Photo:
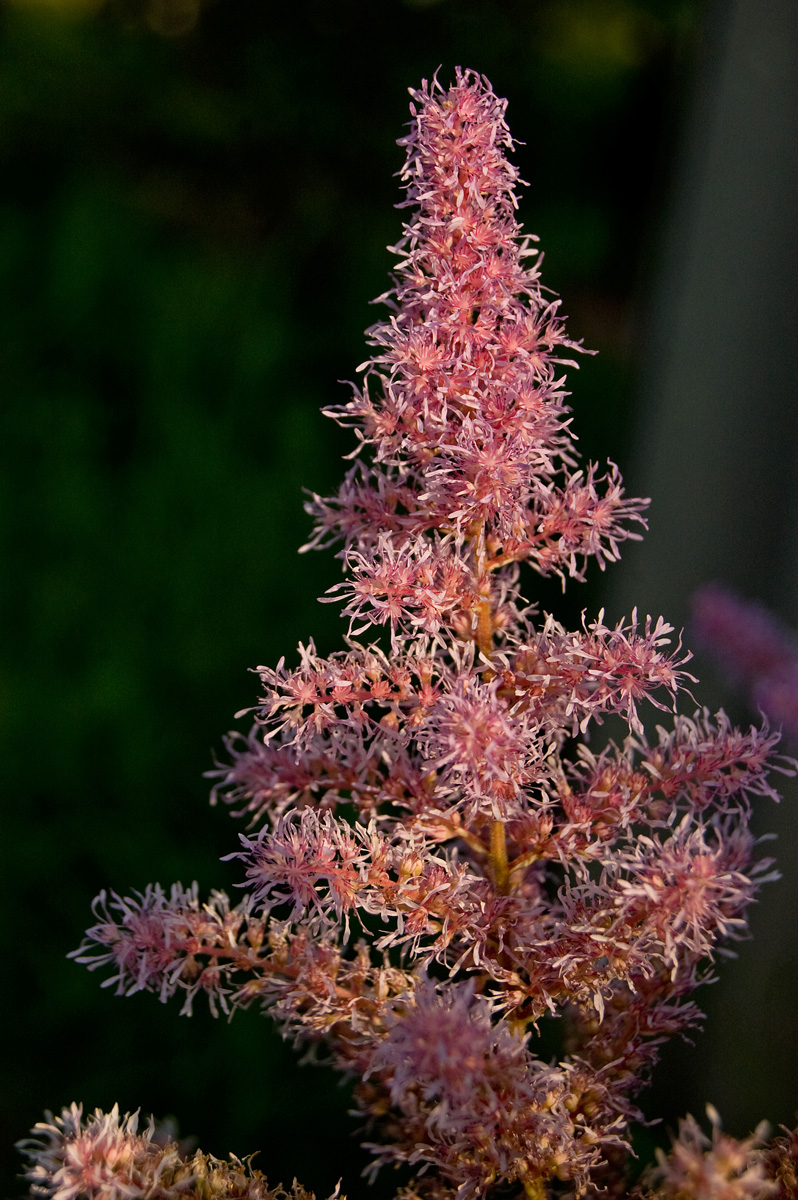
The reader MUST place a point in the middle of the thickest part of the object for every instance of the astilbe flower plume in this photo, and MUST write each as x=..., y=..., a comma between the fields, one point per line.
x=437, y=862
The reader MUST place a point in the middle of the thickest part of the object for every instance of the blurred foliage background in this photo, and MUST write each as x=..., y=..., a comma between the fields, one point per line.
x=195, y=206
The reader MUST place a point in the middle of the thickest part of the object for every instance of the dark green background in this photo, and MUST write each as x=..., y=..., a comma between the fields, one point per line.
x=193, y=218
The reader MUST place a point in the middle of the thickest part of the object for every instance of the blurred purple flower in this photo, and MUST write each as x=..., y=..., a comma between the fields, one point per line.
x=755, y=650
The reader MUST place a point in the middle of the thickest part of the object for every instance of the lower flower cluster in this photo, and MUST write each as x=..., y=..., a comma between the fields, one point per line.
x=105, y=1157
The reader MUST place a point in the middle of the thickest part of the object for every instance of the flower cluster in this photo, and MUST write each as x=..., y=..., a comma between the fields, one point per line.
x=439, y=871
x=106, y=1158
x=717, y=1167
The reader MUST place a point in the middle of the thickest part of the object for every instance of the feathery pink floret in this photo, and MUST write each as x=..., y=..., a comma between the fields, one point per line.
x=476, y=1104
x=679, y=896
x=716, y=1168
x=106, y=1159
x=168, y=944
x=306, y=850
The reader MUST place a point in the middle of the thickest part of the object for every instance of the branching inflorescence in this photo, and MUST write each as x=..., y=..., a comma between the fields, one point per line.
x=436, y=862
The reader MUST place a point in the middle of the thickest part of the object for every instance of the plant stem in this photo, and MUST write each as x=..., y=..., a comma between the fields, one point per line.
x=498, y=858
